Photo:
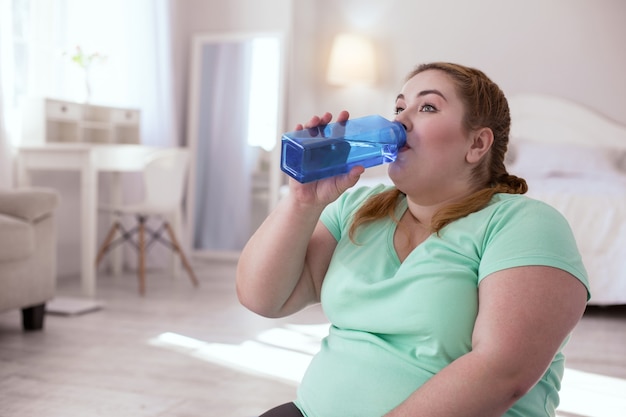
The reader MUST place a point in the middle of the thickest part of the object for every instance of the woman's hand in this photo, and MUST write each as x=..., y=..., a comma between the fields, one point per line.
x=327, y=190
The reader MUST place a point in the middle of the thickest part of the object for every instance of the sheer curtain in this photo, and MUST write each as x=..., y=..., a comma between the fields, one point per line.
x=224, y=158
x=133, y=36
x=7, y=105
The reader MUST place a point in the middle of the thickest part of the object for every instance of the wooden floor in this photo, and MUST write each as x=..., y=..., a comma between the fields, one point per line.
x=183, y=352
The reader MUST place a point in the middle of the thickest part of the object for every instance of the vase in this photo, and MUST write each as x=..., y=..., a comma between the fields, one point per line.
x=87, y=86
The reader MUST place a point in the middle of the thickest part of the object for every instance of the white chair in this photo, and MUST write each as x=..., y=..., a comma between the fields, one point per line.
x=164, y=178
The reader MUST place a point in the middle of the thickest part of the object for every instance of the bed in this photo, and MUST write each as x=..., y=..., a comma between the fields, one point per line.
x=575, y=160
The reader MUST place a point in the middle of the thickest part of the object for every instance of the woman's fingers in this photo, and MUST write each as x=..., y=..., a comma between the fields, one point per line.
x=325, y=119
x=316, y=121
x=343, y=116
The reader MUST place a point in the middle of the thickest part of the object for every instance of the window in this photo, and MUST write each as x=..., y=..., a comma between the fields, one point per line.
x=264, y=90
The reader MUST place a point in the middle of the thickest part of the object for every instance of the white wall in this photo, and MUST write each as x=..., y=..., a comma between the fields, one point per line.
x=570, y=48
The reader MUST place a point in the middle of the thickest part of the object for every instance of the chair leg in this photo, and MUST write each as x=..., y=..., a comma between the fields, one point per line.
x=175, y=262
x=107, y=242
x=141, y=269
x=178, y=249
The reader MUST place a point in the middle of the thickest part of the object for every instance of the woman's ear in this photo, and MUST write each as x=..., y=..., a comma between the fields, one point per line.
x=481, y=143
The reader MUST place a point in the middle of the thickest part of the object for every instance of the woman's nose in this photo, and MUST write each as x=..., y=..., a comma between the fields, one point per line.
x=399, y=118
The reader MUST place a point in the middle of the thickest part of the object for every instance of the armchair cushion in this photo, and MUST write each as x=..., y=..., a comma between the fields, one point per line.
x=28, y=252
x=28, y=204
x=18, y=239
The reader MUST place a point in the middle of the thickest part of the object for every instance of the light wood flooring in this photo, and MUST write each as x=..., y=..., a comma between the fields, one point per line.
x=185, y=352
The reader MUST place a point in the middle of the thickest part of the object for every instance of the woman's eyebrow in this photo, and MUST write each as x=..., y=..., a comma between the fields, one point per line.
x=424, y=93
x=427, y=92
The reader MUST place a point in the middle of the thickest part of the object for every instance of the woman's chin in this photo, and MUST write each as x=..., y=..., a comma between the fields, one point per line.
x=394, y=170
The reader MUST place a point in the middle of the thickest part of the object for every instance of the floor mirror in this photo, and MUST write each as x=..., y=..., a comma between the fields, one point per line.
x=235, y=120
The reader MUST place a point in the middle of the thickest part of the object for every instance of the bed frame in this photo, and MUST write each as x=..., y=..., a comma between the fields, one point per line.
x=550, y=119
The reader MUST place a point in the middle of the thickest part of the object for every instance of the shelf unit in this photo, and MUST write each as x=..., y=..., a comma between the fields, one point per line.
x=59, y=121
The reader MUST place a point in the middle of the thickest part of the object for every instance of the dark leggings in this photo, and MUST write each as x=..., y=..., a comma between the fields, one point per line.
x=285, y=410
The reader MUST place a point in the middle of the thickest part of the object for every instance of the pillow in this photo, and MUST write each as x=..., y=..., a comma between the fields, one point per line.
x=534, y=159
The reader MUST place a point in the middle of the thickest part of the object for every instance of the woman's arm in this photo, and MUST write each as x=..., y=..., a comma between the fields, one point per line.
x=282, y=266
x=524, y=316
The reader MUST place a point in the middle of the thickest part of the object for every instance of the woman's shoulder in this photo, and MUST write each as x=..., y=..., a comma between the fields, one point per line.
x=523, y=210
x=350, y=201
x=339, y=215
x=520, y=231
x=519, y=202
x=360, y=193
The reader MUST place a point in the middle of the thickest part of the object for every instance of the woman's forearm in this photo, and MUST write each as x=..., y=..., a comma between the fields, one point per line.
x=271, y=269
x=471, y=386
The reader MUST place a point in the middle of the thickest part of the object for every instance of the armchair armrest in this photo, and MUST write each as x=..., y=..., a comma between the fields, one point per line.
x=29, y=204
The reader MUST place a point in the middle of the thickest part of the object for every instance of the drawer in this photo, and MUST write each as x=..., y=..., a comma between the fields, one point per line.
x=125, y=116
x=63, y=110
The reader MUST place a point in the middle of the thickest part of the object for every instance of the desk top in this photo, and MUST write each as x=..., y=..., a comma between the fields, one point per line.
x=101, y=157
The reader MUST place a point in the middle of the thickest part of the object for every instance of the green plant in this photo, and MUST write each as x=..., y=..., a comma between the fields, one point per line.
x=85, y=60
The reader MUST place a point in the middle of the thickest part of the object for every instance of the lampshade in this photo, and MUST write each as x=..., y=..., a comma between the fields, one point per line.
x=352, y=61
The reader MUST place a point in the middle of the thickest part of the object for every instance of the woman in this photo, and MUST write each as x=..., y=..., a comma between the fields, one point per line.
x=449, y=294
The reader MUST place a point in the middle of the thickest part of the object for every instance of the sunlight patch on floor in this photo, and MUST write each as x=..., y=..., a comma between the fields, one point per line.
x=279, y=353
x=305, y=339
x=284, y=354
x=592, y=395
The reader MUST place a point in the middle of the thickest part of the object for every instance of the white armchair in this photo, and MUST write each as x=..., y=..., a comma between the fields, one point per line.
x=28, y=252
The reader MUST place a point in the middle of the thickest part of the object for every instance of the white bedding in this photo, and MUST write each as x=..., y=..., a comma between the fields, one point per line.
x=596, y=211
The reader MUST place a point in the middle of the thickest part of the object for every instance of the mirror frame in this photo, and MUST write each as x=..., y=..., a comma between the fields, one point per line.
x=275, y=177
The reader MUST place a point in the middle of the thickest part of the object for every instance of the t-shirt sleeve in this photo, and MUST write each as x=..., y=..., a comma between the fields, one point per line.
x=532, y=233
x=338, y=215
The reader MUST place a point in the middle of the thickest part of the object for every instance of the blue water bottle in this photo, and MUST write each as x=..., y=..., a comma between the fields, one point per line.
x=328, y=150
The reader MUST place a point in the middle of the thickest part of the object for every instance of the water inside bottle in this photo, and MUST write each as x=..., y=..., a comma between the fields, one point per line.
x=330, y=157
x=325, y=151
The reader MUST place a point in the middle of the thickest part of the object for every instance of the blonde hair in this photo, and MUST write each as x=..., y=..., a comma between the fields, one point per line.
x=485, y=106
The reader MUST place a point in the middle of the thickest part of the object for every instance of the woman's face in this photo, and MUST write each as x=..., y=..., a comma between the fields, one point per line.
x=432, y=167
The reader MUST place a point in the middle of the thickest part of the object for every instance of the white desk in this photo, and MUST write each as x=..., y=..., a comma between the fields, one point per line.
x=88, y=160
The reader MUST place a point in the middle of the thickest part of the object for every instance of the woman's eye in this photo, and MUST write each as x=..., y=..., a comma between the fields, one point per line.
x=398, y=110
x=428, y=108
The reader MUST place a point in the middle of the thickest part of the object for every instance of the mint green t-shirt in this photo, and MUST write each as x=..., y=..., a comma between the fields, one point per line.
x=394, y=325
